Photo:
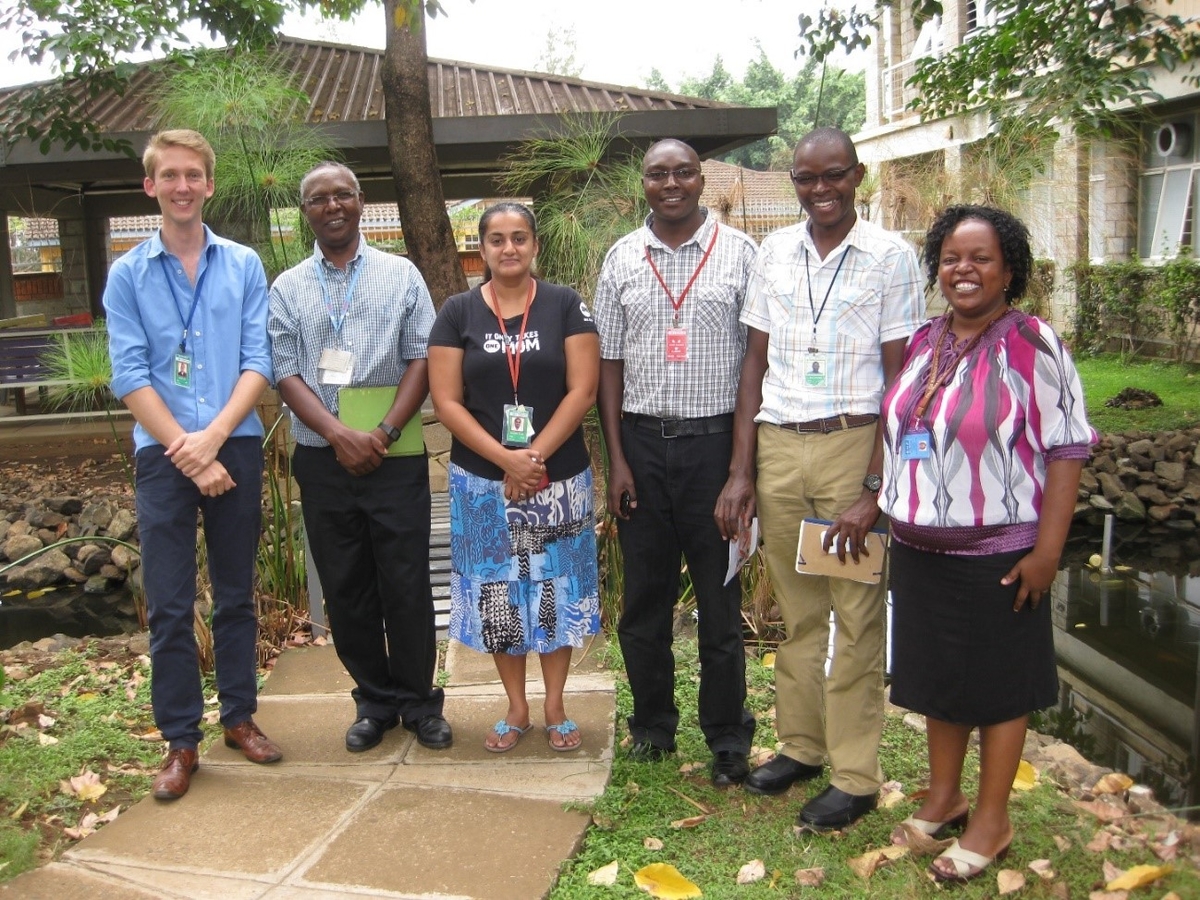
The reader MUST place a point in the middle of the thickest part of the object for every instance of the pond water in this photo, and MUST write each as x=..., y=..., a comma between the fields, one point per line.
x=66, y=610
x=1127, y=639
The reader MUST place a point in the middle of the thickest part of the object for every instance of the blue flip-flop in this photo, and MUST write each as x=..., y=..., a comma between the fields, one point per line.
x=564, y=728
x=502, y=728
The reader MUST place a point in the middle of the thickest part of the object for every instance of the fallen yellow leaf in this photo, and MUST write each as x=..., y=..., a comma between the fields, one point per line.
x=1113, y=783
x=605, y=876
x=1026, y=777
x=891, y=799
x=10, y=594
x=689, y=822
x=665, y=882
x=768, y=660
x=1009, y=881
x=86, y=786
x=1138, y=876
x=19, y=811
x=46, y=740
x=864, y=866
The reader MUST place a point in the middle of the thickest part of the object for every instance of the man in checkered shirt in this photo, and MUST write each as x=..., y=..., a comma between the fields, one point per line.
x=667, y=306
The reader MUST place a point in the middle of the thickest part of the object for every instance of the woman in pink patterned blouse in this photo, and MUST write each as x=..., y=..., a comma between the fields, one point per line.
x=986, y=435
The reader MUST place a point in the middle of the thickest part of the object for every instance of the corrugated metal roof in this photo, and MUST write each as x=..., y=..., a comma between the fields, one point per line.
x=343, y=85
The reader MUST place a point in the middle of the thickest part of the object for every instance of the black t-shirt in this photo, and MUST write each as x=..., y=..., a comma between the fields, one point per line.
x=468, y=322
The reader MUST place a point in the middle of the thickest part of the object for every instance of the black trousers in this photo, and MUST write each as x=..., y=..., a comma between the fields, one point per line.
x=369, y=536
x=678, y=480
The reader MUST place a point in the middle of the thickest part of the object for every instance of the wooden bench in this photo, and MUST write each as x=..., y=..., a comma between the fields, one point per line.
x=21, y=365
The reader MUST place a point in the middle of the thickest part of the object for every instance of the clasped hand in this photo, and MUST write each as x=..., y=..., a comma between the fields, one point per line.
x=358, y=452
x=524, y=470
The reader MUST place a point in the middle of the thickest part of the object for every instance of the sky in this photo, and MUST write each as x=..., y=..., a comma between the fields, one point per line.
x=617, y=41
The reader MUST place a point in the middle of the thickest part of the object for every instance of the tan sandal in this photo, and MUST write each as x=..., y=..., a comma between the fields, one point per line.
x=967, y=863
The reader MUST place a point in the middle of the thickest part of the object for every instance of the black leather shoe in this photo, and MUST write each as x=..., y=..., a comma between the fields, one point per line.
x=367, y=733
x=834, y=808
x=644, y=751
x=779, y=774
x=432, y=731
x=729, y=767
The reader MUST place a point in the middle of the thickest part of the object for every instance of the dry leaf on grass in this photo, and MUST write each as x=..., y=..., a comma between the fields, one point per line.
x=665, y=882
x=689, y=822
x=1113, y=783
x=1026, y=777
x=1100, y=841
x=1108, y=895
x=1105, y=812
x=889, y=799
x=760, y=755
x=751, y=872
x=768, y=660
x=1138, y=876
x=864, y=866
x=1009, y=881
x=1042, y=868
x=605, y=876
x=921, y=844
x=1111, y=871
x=149, y=736
x=46, y=740
x=652, y=843
x=86, y=786
x=814, y=877
x=689, y=768
x=90, y=822
x=1063, y=844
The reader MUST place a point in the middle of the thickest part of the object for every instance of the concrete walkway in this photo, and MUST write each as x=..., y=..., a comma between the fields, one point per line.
x=398, y=821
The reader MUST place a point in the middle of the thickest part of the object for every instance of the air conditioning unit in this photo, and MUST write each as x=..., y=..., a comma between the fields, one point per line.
x=1173, y=140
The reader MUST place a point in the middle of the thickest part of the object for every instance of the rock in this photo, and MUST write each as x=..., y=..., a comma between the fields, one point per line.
x=1088, y=484
x=19, y=545
x=1179, y=442
x=55, y=643
x=42, y=571
x=1128, y=508
x=35, y=516
x=915, y=721
x=111, y=572
x=1160, y=513
x=1098, y=501
x=68, y=506
x=1171, y=475
x=1110, y=485
x=19, y=526
x=96, y=514
x=4, y=526
x=1104, y=463
x=73, y=574
x=124, y=558
x=122, y=525
x=46, y=536
x=97, y=584
x=1187, y=526
x=90, y=558
x=1153, y=494
x=139, y=644
x=52, y=519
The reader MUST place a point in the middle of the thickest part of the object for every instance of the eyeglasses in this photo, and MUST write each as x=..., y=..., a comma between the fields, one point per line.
x=833, y=176
x=342, y=197
x=659, y=177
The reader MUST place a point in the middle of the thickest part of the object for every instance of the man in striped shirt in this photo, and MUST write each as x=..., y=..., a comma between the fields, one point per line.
x=667, y=306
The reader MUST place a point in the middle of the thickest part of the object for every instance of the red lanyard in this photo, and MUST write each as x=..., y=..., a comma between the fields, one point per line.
x=678, y=303
x=512, y=355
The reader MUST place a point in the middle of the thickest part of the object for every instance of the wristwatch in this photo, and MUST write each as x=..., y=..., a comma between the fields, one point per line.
x=393, y=433
x=873, y=483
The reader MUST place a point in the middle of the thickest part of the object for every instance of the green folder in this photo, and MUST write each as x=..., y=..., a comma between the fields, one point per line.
x=363, y=408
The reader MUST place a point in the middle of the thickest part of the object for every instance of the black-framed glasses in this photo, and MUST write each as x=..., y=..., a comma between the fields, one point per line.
x=321, y=200
x=659, y=177
x=833, y=176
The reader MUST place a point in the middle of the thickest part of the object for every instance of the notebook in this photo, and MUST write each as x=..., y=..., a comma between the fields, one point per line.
x=811, y=558
x=363, y=408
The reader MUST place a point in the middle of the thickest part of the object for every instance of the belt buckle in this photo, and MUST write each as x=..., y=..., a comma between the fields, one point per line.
x=826, y=426
x=663, y=424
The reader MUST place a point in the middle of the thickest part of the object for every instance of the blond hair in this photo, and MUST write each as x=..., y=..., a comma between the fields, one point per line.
x=178, y=137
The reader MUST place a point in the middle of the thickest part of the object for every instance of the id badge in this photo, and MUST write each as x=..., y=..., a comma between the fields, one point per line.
x=916, y=445
x=677, y=345
x=336, y=366
x=816, y=369
x=518, y=425
x=183, y=370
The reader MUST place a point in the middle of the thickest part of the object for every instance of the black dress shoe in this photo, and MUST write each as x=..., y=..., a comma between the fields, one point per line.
x=367, y=733
x=644, y=751
x=729, y=767
x=432, y=731
x=779, y=774
x=834, y=808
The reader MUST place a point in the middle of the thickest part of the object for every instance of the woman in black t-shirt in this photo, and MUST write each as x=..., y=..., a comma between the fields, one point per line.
x=513, y=369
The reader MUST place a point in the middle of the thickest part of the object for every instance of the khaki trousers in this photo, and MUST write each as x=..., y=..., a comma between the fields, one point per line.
x=839, y=716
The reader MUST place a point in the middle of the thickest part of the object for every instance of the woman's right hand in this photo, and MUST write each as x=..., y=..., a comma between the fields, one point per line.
x=524, y=469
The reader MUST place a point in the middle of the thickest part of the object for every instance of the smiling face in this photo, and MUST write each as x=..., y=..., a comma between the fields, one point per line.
x=972, y=272
x=180, y=185
x=508, y=246
x=334, y=222
x=675, y=198
x=829, y=200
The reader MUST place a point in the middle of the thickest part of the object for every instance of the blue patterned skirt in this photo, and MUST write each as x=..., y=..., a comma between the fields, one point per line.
x=523, y=573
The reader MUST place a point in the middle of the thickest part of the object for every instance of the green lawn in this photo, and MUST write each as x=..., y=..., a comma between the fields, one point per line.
x=1177, y=385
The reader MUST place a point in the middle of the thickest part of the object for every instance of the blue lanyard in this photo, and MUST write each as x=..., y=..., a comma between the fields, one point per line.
x=175, y=297
x=338, y=320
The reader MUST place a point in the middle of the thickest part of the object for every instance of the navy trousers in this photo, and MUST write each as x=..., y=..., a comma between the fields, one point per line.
x=167, y=504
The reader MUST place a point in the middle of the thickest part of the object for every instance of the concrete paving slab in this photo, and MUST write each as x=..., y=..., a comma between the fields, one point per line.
x=60, y=881
x=168, y=885
x=232, y=822
x=577, y=780
x=308, y=670
x=459, y=843
x=467, y=666
x=311, y=731
x=294, y=892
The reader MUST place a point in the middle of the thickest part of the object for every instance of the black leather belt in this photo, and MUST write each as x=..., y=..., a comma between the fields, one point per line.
x=670, y=428
x=833, y=423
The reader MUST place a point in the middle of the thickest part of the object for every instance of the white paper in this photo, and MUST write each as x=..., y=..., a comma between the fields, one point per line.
x=742, y=549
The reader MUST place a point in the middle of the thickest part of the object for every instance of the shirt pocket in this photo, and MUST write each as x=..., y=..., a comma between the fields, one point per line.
x=858, y=315
x=715, y=306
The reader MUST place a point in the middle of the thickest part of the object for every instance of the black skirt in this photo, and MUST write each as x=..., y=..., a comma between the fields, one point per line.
x=959, y=652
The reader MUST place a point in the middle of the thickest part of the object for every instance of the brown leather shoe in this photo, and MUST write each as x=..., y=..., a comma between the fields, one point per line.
x=258, y=748
x=175, y=776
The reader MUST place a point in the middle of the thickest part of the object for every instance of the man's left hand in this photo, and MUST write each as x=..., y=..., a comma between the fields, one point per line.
x=849, y=530
x=194, y=451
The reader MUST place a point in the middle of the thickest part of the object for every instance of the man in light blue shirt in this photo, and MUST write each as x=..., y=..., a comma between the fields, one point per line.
x=187, y=325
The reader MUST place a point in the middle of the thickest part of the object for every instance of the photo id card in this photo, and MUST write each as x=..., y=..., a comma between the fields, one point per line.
x=336, y=366
x=677, y=350
x=518, y=425
x=816, y=368
x=915, y=445
x=183, y=370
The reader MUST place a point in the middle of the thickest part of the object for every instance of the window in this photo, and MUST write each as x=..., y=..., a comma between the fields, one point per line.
x=1169, y=184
